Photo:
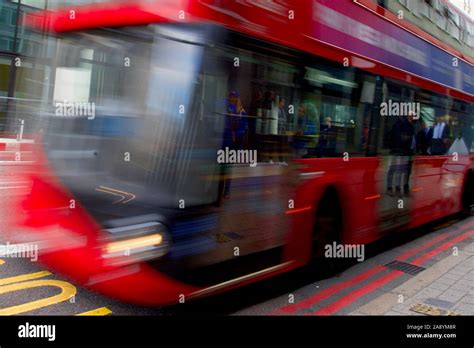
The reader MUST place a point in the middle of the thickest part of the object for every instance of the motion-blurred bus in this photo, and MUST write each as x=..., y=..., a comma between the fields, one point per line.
x=187, y=147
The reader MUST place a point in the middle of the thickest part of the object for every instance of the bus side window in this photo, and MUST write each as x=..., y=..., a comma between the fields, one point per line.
x=261, y=100
x=461, y=128
x=342, y=102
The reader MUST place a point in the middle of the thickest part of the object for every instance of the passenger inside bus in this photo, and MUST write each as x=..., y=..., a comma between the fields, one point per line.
x=423, y=138
x=235, y=122
x=440, y=136
x=403, y=145
x=283, y=120
x=327, y=139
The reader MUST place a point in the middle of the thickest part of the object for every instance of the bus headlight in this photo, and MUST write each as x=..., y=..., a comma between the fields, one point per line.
x=136, y=243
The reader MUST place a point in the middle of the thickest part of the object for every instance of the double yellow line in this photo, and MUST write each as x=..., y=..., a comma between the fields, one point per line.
x=27, y=281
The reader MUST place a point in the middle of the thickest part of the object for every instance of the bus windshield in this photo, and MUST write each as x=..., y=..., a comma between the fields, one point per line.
x=119, y=117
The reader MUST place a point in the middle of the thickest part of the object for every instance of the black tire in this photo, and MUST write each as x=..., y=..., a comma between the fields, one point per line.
x=468, y=195
x=327, y=229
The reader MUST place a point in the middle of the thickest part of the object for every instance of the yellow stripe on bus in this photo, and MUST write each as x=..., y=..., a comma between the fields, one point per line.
x=96, y=312
x=67, y=291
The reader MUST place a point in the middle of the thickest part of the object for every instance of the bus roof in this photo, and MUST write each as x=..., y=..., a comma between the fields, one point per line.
x=334, y=29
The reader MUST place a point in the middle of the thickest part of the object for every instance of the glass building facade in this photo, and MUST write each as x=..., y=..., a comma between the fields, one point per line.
x=23, y=59
x=18, y=46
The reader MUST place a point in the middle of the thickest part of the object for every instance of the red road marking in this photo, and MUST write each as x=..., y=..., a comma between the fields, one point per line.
x=348, y=299
x=293, y=308
x=434, y=252
x=329, y=291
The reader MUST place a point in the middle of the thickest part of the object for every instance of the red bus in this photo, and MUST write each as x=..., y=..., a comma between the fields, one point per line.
x=191, y=147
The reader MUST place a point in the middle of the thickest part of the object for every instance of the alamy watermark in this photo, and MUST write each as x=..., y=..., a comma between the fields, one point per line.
x=394, y=108
x=230, y=156
x=25, y=250
x=346, y=251
x=28, y=330
x=75, y=109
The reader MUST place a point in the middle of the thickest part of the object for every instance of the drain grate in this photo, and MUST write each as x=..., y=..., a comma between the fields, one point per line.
x=405, y=267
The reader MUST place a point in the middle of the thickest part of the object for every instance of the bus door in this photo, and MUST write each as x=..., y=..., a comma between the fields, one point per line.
x=397, y=144
x=252, y=179
x=251, y=150
x=395, y=184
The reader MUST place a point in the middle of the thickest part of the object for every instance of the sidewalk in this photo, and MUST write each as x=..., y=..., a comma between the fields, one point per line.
x=445, y=288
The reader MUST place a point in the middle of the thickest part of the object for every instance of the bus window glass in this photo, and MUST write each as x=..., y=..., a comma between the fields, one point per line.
x=255, y=97
x=338, y=102
x=461, y=128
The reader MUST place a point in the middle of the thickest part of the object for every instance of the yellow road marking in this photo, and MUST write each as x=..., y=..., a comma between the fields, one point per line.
x=67, y=291
x=24, y=281
x=96, y=312
x=23, y=277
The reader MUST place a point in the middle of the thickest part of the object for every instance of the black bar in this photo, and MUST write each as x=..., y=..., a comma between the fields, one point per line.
x=241, y=330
